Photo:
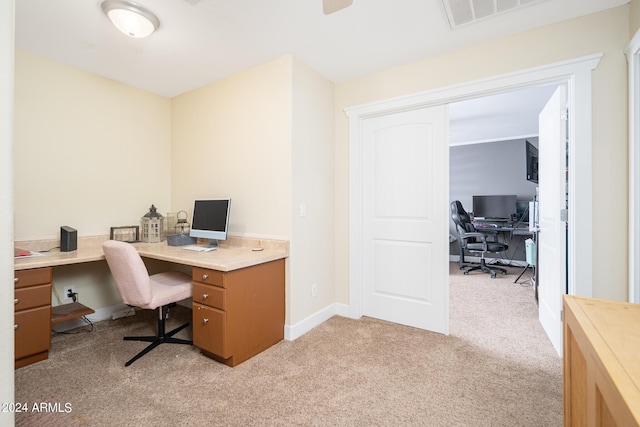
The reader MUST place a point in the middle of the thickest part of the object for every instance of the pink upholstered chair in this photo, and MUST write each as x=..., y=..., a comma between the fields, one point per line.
x=138, y=289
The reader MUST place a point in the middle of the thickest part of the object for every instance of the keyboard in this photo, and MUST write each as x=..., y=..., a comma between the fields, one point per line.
x=199, y=248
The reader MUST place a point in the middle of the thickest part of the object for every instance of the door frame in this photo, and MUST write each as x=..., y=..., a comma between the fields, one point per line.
x=577, y=74
x=7, y=91
x=633, y=58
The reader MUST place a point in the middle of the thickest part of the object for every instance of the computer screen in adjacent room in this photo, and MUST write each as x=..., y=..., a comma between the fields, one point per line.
x=532, y=162
x=494, y=207
x=211, y=220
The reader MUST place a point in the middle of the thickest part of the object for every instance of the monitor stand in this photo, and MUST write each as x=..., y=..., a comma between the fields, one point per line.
x=213, y=243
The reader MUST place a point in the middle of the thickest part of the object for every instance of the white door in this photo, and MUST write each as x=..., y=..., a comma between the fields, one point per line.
x=552, y=249
x=405, y=218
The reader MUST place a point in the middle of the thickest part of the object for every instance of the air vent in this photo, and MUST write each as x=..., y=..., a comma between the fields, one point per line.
x=461, y=12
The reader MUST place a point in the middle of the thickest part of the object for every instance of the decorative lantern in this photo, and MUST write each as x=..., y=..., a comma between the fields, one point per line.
x=152, y=226
x=182, y=226
x=178, y=230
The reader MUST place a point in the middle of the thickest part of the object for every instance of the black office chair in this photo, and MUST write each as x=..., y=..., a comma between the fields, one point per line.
x=476, y=241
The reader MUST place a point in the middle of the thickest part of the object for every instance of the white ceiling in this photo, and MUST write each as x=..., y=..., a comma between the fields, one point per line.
x=199, y=43
x=202, y=41
x=501, y=117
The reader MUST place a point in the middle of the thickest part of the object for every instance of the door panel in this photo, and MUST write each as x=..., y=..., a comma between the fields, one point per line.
x=405, y=196
x=552, y=248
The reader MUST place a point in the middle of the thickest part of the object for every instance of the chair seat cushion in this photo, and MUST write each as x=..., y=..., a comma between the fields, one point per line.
x=168, y=287
x=491, y=247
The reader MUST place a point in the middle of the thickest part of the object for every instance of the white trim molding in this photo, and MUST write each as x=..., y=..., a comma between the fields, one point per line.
x=7, y=92
x=574, y=72
x=633, y=58
x=293, y=332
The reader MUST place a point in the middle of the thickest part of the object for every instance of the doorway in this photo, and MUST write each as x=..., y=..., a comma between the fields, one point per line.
x=496, y=164
x=578, y=74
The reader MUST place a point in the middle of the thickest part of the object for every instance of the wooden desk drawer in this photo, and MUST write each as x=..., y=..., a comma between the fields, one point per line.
x=210, y=277
x=209, y=330
x=35, y=296
x=32, y=331
x=209, y=295
x=35, y=276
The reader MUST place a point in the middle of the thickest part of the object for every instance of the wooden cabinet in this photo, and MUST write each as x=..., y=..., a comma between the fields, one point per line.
x=601, y=363
x=32, y=315
x=240, y=313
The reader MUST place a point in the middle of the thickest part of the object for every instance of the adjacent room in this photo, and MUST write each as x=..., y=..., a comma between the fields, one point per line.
x=493, y=157
x=493, y=168
x=276, y=179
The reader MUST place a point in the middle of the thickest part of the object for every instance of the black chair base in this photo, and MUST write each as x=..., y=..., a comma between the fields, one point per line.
x=160, y=338
x=484, y=267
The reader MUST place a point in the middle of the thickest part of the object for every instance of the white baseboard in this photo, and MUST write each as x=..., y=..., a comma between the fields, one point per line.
x=293, y=332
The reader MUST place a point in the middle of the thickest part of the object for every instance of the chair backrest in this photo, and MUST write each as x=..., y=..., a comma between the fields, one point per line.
x=461, y=218
x=129, y=272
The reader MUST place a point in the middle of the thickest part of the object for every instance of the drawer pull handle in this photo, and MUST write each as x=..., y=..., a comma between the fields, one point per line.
x=205, y=321
x=16, y=280
x=205, y=296
x=205, y=276
x=16, y=301
x=15, y=327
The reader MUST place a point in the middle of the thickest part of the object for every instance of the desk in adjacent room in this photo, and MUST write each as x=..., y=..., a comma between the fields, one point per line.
x=238, y=298
x=503, y=228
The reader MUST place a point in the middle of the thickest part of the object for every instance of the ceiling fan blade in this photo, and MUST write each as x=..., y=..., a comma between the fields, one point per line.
x=331, y=6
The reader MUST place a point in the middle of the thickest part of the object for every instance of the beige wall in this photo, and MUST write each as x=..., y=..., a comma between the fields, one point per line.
x=606, y=32
x=90, y=153
x=311, y=260
x=634, y=17
x=232, y=138
x=264, y=138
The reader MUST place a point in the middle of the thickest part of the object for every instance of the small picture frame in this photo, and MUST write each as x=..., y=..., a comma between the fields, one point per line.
x=130, y=233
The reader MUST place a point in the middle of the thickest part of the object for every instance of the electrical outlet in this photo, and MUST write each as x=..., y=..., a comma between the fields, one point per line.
x=68, y=293
x=314, y=290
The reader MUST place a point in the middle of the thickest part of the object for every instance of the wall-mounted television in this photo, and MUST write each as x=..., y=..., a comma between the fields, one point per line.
x=532, y=162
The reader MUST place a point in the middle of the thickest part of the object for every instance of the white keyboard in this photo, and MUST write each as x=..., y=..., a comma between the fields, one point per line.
x=199, y=248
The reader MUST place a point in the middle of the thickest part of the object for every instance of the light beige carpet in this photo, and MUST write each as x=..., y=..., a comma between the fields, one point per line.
x=496, y=368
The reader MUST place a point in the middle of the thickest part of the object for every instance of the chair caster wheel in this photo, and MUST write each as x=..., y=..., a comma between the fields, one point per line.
x=466, y=272
x=504, y=273
x=493, y=276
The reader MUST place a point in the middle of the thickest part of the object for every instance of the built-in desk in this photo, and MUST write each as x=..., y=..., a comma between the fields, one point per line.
x=89, y=249
x=234, y=254
x=239, y=293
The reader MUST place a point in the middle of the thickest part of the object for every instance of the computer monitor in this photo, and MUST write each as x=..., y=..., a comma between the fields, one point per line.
x=494, y=207
x=211, y=220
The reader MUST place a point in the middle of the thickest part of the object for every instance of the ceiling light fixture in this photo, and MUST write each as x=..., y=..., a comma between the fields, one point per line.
x=130, y=18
